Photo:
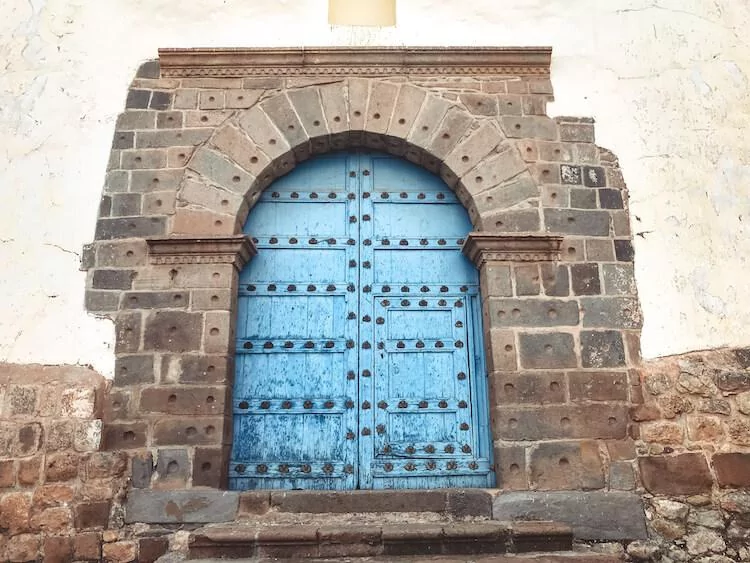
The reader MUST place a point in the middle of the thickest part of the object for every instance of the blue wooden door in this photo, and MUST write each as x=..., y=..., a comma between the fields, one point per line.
x=359, y=352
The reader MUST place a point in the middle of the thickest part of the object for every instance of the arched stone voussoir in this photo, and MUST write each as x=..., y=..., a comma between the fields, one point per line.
x=266, y=141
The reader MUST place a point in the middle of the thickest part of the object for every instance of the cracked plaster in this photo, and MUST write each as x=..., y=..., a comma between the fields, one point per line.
x=667, y=82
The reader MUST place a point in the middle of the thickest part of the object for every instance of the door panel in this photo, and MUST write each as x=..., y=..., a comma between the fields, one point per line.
x=359, y=344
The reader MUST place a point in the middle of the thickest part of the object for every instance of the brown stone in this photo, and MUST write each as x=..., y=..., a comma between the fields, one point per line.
x=662, y=432
x=673, y=405
x=48, y=496
x=7, y=474
x=510, y=464
x=106, y=464
x=732, y=469
x=563, y=421
x=92, y=515
x=87, y=546
x=61, y=467
x=209, y=467
x=124, y=436
x=189, y=431
x=14, y=512
x=22, y=547
x=566, y=466
x=529, y=387
x=29, y=470
x=58, y=549
x=684, y=474
x=120, y=552
x=739, y=431
x=598, y=386
x=53, y=520
x=705, y=429
x=254, y=502
x=645, y=413
x=183, y=400
x=173, y=331
x=150, y=549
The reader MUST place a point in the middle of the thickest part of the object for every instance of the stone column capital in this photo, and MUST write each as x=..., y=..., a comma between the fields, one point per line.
x=481, y=248
x=236, y=250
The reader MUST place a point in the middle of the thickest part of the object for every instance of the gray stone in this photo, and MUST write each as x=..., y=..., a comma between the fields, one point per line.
x=430, y=116
x=707, y=519
x=577, y=222
x=526, y=220
x=102, y=300
x=581, y=198
x=536, y=127
x=602, y=349
x=380, y=107
x=156, y=300
x=619, y=279
x=172, y=138
x=446, y=137
x=138, y=119
x=527, y=279
x=172, y=465
x=733, y=380
x=135, y=369
x=592, y=515
x=535, y=313
x=547, y=350
x=307, y=103
x=126, y=205
x=515, y=192
x=556, y=280
x=704, y=541
x=256, y=124
x=671, y=509
x=218, y=169
x=186, y=506
x=155, y=180
x=611, y=312
x=643, y=550
x=743, y=402
x=499, y=169
x=142, y=469
x=113, y=279
x=715, y=406
x=130, y=227
x=496, y=280
x=471, y=151
x=621, y=476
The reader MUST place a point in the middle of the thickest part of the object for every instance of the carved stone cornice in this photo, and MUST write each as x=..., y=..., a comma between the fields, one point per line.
x=496, y=247
x=236, y=250
x=355, y=61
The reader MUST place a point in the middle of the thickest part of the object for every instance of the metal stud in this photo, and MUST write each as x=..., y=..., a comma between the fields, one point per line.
x=273, y=240
x=403, y=404
x=288, y=344
x=351, y=242
x=311, y=287
x=461, y=376
x=462, y=405
x=439, y=344
x=332, y=195
x=331, y=241
x=400, y=345
x=410, y=466
x=313, y=241
x=366, y=345
x=350, y=288
x=386, y=289
x=473, y=465
x=294, y=195
x=240, y=469
x=350, y=435
x=449, y=449
x=403, y=242
x=466, y=448
x=410, y=450
x=350, y=375
x=275, y=195
x=459, y=324
x=251, y=288
x=442, y=242
x=388, y=467
x=248, y=345
x=366, y=265
x=330, y=287
x=272, y=287
x=367, y=242
x=352, y=316
x=443, y=404
x=366, y=289
x=265, y=405
x=464, y=426
x=283, y=468
x=459, y=304
x=349, y=404
x=365, y=432
x=403, y=195
x=381, y=345
x=348, y=469
x=366, y=373
x=313, y=195
x=385, y=242
x=255, y=240
x=441, y=195
x=464, y=289
x=451, y=465
x=424, y=289
x=309, y=344
x=244, y=405
x=386, y=303
x=286, y=405
x=423, y=404
x=365, y=217
x=459, y=344
x=366, y=405
x=405, y=288
x=421, y=196
x=328, y=468
x=307, y=404
x=352, y=263
x=365, y=172
x=430, y=465
x=405, y=302
x=365, y=195
x=420, y=344
x=306, y=468
x=293, y=240
x=460, y=241
x=352, y=174
x=384, y=195
x=379, y=321
x=329, y=344
x=430, y=449
x=268, y=345
x=442, y=303
x=291, y=287
x=382, y=405
x=386, y=449
x=380, y=429
x=423, y=242
x=351, y=196
x=328, y=404
x=352, y=219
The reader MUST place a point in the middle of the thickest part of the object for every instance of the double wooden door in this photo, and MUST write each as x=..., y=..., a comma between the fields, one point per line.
x=359, y=357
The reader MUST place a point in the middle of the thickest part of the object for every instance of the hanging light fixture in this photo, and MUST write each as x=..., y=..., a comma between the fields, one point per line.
x=378, y=13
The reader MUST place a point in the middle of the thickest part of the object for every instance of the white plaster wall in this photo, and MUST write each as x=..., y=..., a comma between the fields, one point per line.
x=667, y=82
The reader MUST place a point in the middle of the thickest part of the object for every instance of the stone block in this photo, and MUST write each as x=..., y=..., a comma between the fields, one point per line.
x=582, y=198
x=137, y=119
x=87, y=546
x=161, y=100
x=27, y=440
x=188, y=431
x=510, y=466
x=333, y=100
x=619, y=279
x=123, y=436
x=532, y=313
x=500, y=169
x=169, y=120
x=52, y=520
x=149, y=181
x=105, y=301
x=527, y=279
x=732, y=381
x=151, y=549
x=595, y=177
x=22, y=547
x=22, y=400
x=624, y=251
x=547, y=350
x=555, y=280
x=577, y=132
x=516, y=192
x=482, y=104
x=602, y=349
x=496, y=280
x=201, y=401
x=204, y=369
x=599, y=250
x=173, y=469
x=705, y=429
x=662, y=432
x=257, y=125
x=592, y=421
x=732, y=469
x=577, y=222
x=113, y=279
x=529, y=388
x=592, y=515
x=120, y=551
x=125, y=205
x=241, y=149
x=210, y=119
x=173, y=331
x=532, y=127
x=61, y=467
x=683, y=474
x=429, y=118
x=7, y=474
x=171, y=138
x=598, y=386
x=188, y=507
x=58, y=549
x=141, y=159
x=453, y=127
x=106, y=464
x=526, y=220
x=555, y=196
x=470, y=151
x=123, y=140
x=198, y=222
x=383, y=96
x=211, y=99
x=621, y=476
x=611, y=312
x=178, y=157
x=137, y=99
x=130, y=227
x=566, y=466
x=30, y=470
x=218, y=333
x=501, y=351
x=280, y=111
x=210, y=467
x=220, y=170
x=156, y=300
x=142, y=468
x=240, y=98
x=15, y=511
x=738, y=430
x=134, y=369
x=610, y=199
x=585, y=280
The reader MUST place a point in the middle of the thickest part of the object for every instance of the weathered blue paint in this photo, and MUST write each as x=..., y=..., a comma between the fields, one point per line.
x=359, y=341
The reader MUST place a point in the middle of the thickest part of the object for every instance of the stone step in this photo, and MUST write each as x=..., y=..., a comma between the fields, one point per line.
x=322, y=541
x=558, y=557
x=457, y=503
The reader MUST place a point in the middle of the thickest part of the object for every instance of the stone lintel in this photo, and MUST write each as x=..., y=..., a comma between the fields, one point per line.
x=355, y=61
x=496, y=247
x=237, y=250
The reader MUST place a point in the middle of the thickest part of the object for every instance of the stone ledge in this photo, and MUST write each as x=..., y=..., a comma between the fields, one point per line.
x=592, y=515
x=355, y=61
x=236, y=250
x=494, y=247
x=196, y=506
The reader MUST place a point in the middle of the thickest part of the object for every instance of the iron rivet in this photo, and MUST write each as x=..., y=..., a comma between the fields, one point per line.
x=386, y=289
x=410, y=449
x=240, y=469
x=352, y=219
x=329, y=344
x=328, y=468
x=294, y=195
x=248, y=345
x=352, y=174
x=351, y=375
x=439, y=344
x=405, y=288
x=461, y=376
x=410, y=466
x=268, y=345
x=306, y=468
x=366, y=289
x=351, y=316
x=423, y=242
x=424, y=289
x=459, y=344
x=430, y=449
x=313, y=195
x=388, y=467
x=313, y=241
x=283, y=468
x=400, y=345
x=350, y=435
x=473, y=465
x=351, y=196
x=331, y=241
x=328, y=404
x=244, y=405
x=309, y=344
x=421, y=196
x=308, y=404
x=460, y=241
x=349, y=469
x=420, y=344
x=462, y=405
x=366, y=373
x=423, y=404
x=365, y=172
x=451, y=465
x=403, y=242
x=449, y=449
x=365, y=217
x=430, y=465
x=443, y=404
x=402, y=404
x=365, y=405
x=288, y=344
x=442, y=303
x=367, y=242
x=386, y=303
x=441, y=195
x=423, y=303
x=366, y=265
x=459, y=324
x=464, y=289
x=351, y=242
x=332, y=195
x=403, y=195
x=466, y=449
x=385, y=242
x=379, y=320
x=381, y=345
x=380, y=428
x=366, y=318
x=365, y=432
x=255, y=240
x=273, y=240
x=293, y=240
x=443, y=289
x=384, y=195
x=352, y=263
x=265, y=405
x=387, y=449
x=331, y=287
x=275, y=195
x=382, y=405
x=365, y=345
x=350, y=287
x=311, y=288
x=464, y=426
x=442, y=242
x=251, y=288
x=405, y=302
x=286, y=405
x=272, y=287
x=459, y=304
x=365, y=195
x=349, y=404
x=291, y=287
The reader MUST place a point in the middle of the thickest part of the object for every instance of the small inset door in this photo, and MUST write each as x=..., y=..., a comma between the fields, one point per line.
x=359, y=356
